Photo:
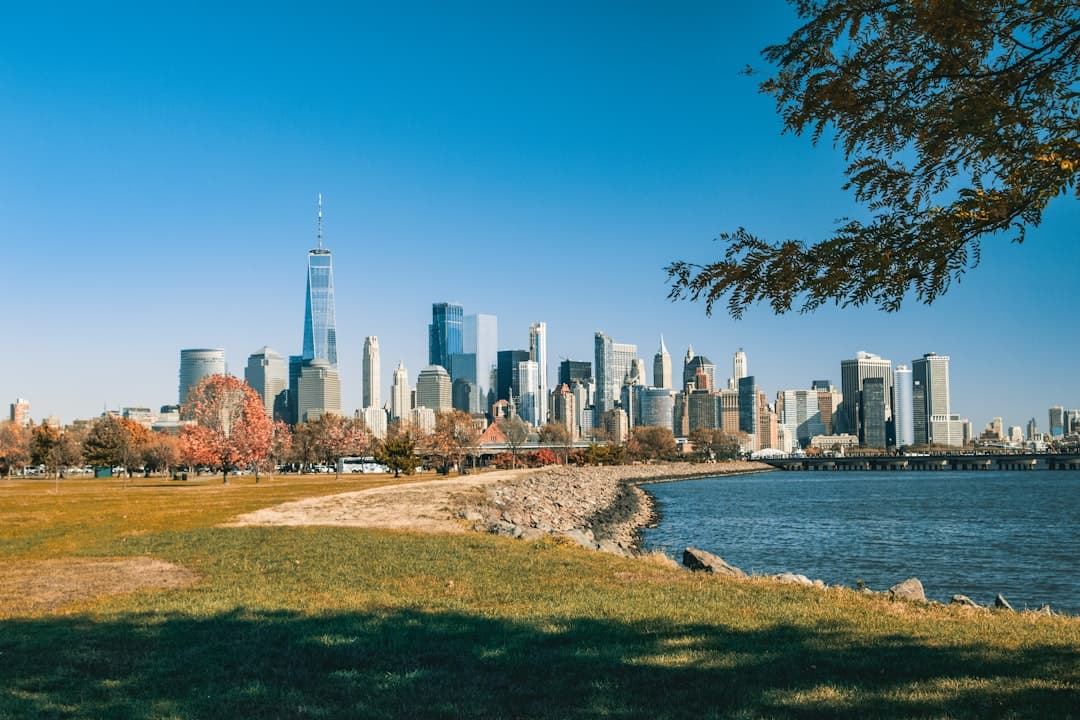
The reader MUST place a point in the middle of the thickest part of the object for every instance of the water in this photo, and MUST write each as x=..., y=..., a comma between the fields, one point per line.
x=973, y=533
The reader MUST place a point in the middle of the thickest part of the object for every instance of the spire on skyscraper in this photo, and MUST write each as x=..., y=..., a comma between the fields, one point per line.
x=320, y=329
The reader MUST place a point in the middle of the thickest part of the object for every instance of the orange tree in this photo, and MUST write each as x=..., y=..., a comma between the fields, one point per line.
x=230, y=430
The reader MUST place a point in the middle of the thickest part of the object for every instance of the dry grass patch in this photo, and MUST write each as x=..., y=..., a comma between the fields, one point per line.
x=46, y=585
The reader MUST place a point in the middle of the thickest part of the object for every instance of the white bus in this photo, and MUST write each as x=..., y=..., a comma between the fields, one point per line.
x=359, y=465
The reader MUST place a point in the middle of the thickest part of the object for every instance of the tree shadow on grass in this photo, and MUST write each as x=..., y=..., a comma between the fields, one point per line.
x=400, y=664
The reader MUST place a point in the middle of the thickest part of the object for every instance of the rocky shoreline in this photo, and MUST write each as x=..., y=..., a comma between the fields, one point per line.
x=601, y=508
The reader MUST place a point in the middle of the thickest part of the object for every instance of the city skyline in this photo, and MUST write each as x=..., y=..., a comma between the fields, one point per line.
x=175, y=201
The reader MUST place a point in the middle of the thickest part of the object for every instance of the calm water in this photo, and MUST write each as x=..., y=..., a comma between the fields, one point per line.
x=974, y=533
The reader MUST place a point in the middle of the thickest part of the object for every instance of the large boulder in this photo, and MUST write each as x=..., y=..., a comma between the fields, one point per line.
x=910, y=589
x=1001, y=603
x=701, y=560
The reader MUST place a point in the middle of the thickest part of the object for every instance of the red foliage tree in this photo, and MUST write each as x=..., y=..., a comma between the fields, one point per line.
x=231, y=428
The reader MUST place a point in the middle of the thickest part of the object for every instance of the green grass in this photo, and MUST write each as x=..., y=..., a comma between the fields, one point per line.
x=344, y=623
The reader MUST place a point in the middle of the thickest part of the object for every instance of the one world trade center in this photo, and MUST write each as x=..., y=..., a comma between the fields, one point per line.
x=320, y=331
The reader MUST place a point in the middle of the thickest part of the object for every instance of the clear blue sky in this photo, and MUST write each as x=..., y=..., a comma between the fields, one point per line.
x=160, y=167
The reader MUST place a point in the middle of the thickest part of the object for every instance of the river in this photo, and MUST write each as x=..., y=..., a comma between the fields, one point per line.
x=973, y=533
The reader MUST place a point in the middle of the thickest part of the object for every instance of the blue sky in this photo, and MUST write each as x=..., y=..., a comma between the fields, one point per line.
x=160, y=167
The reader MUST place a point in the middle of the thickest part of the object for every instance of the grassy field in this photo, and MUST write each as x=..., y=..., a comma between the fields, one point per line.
x=354, y=623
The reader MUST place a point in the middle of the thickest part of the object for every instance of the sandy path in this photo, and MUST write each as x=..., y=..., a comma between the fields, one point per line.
x=422, y=506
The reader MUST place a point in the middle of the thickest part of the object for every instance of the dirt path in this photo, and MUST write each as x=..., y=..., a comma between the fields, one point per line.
x=422, y=506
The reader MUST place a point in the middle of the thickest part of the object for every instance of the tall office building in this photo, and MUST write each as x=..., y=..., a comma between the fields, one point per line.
x=528, y=405
x=434, y=389
x=1032, y=429
x=506, y=378
x=20, y=412
x=375, y=421
x=930, y=395
x=799, y=415
x=613, y=362
x=400, y=393
x=904, y=410
x=749, y=416
x=563, y=410
x=828, y=403
x=197, y=363
x=693, y=364
x=571, y=371
x=538, y=355
x=319, y=391
x=872, y=412
x=1070, y=422
x=296, y=364
x=661, y=367
x=372, y=373
x=853, y=374
x=480, y=338
x=463, y=395
x=268, y=375
x=1057, y=421
x=738, y=365
x=320, y=329
x=656, y=407
x=445, y=333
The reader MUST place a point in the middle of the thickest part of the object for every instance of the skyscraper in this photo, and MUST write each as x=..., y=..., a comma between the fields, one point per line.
x=749, y=416
x=904, y=411
x=1057, y=421
x=296, y=364
x=197, y=363
x=656, y=407
x=930, y=395
x=800, y=415
x=538, y=354
x=434, y=389
x=853, y=374
x=507, y=375
x=20, y=412
x=693, y=363
x=372, y=374
x=445, y=334
x=268, y=375
x=738, y=365
x=320, y=329
x=529, y=402
x=662, y=367
x=574, y=370
x=481, y=339
x=613, y=361
x=400, y=393
x=872, y=412
x=319, y=391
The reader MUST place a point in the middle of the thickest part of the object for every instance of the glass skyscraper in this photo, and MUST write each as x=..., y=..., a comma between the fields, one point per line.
x=320, y=330
x=445, y=334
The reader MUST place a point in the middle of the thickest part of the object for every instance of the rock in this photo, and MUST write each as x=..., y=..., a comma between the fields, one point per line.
x=910, y=589
x=612, y=547
x=1044, y=610
x=964, y=601
x=584, y=538
x=473, y=516
x=1001, y=603
x=819, y=584
x=696, y=559
x=532, y=533
x=793, y=578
